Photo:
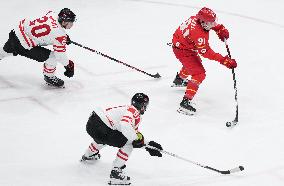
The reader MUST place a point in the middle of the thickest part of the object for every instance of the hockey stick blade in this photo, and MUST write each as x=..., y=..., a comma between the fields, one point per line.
x=237, y=169
x=234, y=170
x=157, y=76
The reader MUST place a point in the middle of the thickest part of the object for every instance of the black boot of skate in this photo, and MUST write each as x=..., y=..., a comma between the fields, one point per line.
x=91, y=158
x=186, y=107
x=118, y=177
x=54, y=81
x=179, y=82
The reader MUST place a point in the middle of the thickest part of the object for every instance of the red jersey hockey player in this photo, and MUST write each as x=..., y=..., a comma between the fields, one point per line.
x=118, y=127
x=29, y=37
x=190, y=41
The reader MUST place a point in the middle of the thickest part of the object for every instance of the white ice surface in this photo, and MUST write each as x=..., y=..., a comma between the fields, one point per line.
x=42, y=130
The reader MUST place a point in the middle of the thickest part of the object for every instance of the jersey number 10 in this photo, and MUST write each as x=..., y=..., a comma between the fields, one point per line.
x=39, y=29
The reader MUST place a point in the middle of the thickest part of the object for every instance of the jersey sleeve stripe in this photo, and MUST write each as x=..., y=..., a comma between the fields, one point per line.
x=64, y=50
x=58, y=46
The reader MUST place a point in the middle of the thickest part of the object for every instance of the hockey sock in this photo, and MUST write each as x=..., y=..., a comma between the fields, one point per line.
x=193, y=85
x=48, y=70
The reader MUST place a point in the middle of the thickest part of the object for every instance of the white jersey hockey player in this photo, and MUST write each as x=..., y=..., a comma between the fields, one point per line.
x=31, y=35
x=119, y=127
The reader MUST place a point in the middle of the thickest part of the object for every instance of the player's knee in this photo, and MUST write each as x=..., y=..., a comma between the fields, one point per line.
x=198, y=78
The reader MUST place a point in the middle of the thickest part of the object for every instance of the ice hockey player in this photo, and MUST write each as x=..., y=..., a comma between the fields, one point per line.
x=31, y=35
x=190, y=41
x=118, y=127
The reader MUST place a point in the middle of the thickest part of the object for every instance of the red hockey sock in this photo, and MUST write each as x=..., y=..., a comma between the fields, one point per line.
x=193, y=85
x=191, y=90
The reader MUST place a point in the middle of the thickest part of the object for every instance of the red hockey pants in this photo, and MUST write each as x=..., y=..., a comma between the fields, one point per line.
x=191, y=66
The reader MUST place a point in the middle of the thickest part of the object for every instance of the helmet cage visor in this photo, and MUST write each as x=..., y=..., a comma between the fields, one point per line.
x=208, y=25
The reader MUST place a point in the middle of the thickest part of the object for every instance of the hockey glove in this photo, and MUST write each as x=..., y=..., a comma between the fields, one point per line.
x=222, y=32
x=68, y=40
x=228, y=62
x=69, y=69
x=154, y=152
x=139, y=142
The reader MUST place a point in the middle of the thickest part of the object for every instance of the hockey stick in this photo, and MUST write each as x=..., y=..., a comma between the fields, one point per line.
x=235, y=121
x=236, y=169
x=104, y=55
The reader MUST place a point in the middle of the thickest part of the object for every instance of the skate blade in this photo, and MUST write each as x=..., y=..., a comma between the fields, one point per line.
x=90, y=162
x=115, y=182
x=185, y=112
x=53, y=86
x=174, y=85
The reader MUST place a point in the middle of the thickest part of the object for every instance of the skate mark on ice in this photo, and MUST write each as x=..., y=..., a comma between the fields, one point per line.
x=5, y=83
x=90, y=73
x=32, y=99
x=87, y=71
x=220, y=11
x=121, y=92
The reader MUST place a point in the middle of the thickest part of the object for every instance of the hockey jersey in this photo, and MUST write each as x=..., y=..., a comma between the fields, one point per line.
x=192, y=37
x=125, y=119
x=44, y=31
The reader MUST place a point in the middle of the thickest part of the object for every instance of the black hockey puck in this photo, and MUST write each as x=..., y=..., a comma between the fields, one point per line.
x=241, y=168
x=231, y=123
x=228, y=124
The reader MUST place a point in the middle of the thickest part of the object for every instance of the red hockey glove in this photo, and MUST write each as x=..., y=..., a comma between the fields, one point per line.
x=69, y=69
x=222, y=32
x=228, y=62
x=139, y=142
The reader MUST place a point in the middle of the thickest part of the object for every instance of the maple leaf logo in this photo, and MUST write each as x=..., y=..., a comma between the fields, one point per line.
x=62, y=40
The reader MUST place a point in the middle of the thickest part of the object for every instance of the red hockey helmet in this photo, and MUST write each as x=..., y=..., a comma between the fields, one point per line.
x=206, y=15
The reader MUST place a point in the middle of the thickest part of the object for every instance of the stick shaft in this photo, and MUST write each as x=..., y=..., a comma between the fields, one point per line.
x=111, y=58
x=235, y=84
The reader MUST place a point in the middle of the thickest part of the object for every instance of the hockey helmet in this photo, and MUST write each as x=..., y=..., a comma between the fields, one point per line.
x=207, y=18
x=66, y=15
x=206, y=15
x=140, y=101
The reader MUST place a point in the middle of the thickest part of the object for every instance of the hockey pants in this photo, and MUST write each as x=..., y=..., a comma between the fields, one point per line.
x=191, y=66
x=14, y=47
x=38, y=53
x=103, y=135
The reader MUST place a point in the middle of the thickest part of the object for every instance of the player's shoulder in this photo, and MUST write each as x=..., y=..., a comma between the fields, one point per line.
x=193, y=22
x=133, y=110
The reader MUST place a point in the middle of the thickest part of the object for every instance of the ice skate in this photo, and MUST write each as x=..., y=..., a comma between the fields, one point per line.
x=54, y=81
x=179, y=82
x=118, y=177
x=91, y=158
x=186, y=107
